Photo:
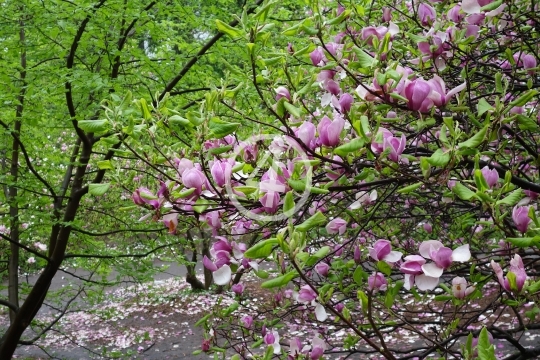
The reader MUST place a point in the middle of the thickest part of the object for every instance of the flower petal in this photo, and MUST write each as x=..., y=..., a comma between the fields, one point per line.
x=425, y=247
x=426, y=282
x=222, y=276
x=320, y=312
x=461, y=253
x=393, y=256
x=470, y=6
x=432, y=270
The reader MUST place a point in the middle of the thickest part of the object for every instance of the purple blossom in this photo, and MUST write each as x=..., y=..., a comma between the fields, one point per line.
x=336, y=225
x=426, y=14
x=238, y=289
x=520, y=215
x=517, y=268
x=460, y=289
x=382, y=250
x=490, y=175
x=377, y=282
x=306, y=294
x=330, y=131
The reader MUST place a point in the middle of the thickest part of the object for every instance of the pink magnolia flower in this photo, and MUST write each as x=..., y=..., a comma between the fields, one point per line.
x=221, y=172
x=460, y=289
x=306, y=133
x=282, y=92
x=318, y=346
x=455, y=14
x=418, y=94
x=330, y=131
x=322, y=269
x=377, y=282
x=238, y=289
x=517, y=268
x=306, y=294
x=363, y=198
x=317, y=57
x=272, y=339
x=143, y=196
x=396, y=146
x=382, y=250
x=377, y=145
x=335, y=226
x=490, y=175
x=194, y=178
x=31, y=260
x=442, y=258
x=520, y=215
x=247, y=321
x=40, y=246
x=170, y=220
x=426, y=14
x=438, y=95
x=345, y=102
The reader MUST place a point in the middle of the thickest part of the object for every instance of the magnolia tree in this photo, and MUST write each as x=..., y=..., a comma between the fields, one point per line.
x=385, y=161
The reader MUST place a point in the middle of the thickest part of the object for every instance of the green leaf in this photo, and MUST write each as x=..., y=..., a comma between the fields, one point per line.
x=177, y=120
x=486, y=351
x=219, y=150
x=363, y=300
x=293, y=110
x=476, y=140
x=222, y=128
x=443, y=297
x=349, y=147
x=94, y=126
x=383, y=267
x=512, y=199
x=262, y=249
x=534, y=287
x=523, y=99
x=410, y=188
x=317, y=219
x=279, y=281
x=359, y=275
x=483, y=106
x=194, y=118
x=200, y=205
x=526, y=123
x=203, y=320
x=463, y=192
x=98, y=189
x=246, y=189
x=228, y=30
x=439, y=158
x=524, y=241
x=105, y=165
x=288, y=204
x=364, y=59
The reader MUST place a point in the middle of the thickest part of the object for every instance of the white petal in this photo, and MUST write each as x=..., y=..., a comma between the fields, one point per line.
x=320, y=312
x=222, y=276
x=277, y=348
x=393, y=29
x=426, y=282
x=407, y=281
x=432, y=270
x=355, y=205
x=461, y=253
x=145, y=217
x=254, y=265
x=393, y=256
x=497, y=11
x=425, y=247
x=470, y=6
